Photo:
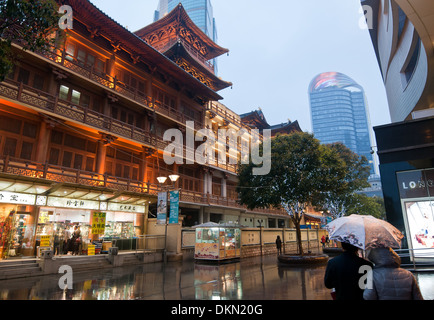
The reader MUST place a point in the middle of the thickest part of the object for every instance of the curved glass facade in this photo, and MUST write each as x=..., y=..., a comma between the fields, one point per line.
x=339, y=113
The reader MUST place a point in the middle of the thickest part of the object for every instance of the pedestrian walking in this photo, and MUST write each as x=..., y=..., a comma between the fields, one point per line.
x=323, y=241
x=342, y=273
x=389, y=280
x=327, y=241
x=279, y=245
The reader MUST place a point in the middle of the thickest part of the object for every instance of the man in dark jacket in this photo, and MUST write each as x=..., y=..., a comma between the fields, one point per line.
x=342, y=274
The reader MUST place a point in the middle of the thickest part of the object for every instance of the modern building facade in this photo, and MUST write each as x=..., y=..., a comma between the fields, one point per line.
x=402, y=33
x=82, y=135
x=339, y=113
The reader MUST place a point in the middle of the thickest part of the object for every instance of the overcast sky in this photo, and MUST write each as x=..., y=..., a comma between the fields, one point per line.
x=277, y=48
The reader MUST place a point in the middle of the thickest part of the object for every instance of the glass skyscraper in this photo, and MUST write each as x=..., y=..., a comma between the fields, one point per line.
x=200, y=11
x=339, y=114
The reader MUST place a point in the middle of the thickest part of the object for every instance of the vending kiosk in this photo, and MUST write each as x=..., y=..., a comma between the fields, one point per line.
x=217, y=242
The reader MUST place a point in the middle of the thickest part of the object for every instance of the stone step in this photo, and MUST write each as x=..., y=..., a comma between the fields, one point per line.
x=20, y=272
x=13, y=266
x=17, y=262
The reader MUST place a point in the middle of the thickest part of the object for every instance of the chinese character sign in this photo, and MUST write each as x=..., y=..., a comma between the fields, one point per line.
x=174, y=206
x=45, y=241
x=98, y=222
x=91, y=250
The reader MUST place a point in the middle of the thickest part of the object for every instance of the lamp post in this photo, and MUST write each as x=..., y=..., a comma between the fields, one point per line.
x=162, y=180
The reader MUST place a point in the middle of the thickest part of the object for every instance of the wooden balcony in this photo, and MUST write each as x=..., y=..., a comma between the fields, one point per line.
x=44, y=102
x=59, y=174
x=116, y=86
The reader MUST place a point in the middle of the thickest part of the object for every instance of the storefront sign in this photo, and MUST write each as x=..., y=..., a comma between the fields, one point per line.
x=174, y=206
x=98, y=222
x=416, y=184
x=113, y=206
x=91, y=250
x=45, y=241
x=44, y=217
x=72, y=203
x=162, y=208
x=18, y=198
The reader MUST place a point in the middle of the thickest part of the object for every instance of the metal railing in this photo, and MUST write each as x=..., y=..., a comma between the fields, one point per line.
x=418, y=259
x=150, y=243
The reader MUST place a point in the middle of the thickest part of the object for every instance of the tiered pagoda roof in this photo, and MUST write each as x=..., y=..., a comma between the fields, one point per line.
x=256, y=120
x=98, y=24
x=181, y=40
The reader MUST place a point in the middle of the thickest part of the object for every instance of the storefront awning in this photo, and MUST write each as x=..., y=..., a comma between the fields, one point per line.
x=23, y=187
x=68, y=191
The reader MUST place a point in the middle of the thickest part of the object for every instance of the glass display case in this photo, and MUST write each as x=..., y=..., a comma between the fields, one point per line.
x=121, y=234
x=119, y=230
x=216, y=242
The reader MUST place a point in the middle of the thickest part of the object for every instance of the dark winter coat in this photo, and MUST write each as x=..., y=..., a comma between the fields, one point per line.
x=390, y=281
x=342, y=273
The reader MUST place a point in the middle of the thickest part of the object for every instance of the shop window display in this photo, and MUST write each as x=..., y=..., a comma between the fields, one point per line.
x=120, y=230
x=16, y=231
x=60, y=225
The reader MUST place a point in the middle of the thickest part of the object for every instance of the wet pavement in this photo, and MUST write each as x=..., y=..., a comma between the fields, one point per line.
x=259, y=278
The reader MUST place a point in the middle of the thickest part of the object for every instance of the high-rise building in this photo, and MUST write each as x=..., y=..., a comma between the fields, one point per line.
x=339, y=113
x=200, y=11
x=402, y=33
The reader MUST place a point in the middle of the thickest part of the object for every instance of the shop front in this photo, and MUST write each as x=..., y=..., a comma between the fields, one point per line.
x=17, y=224
x=416, y=190
x=124, y=225
x=87, y=227
x=406, y=153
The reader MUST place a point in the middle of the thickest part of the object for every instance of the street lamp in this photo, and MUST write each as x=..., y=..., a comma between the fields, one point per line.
x=161, y=181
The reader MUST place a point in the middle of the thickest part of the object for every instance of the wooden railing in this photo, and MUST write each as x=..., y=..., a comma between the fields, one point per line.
x=59, y=57
x=52, y=104
x=60, y=174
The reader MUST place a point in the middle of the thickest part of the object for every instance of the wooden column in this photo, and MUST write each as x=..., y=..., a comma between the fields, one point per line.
x=101, y=153
x=43, y=142
x=146, y=153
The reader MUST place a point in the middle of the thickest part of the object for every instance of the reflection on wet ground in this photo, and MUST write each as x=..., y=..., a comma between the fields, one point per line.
x=250, y=279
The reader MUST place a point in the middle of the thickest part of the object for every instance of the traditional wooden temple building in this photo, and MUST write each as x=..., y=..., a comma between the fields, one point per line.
x=81, y=132
x=256, y=119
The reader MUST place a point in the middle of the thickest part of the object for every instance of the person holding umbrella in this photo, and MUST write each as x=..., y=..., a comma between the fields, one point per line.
x=342, y=274
x=390, y=281
x=356, y=232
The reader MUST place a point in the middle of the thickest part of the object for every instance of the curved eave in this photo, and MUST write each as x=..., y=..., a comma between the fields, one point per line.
x=179, y=50
x=289, y=127
x=179, y=13
x=88, y=14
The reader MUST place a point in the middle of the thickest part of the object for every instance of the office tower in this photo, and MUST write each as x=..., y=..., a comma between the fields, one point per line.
x=200, y=11
x=339, y=113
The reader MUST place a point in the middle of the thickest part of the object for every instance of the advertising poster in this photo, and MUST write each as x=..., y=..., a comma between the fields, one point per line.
x=91, y=250
x=174, y=206
x=162, y=208
x=421, y=224
x=45, y=241
x=98, y=222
